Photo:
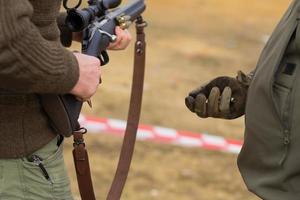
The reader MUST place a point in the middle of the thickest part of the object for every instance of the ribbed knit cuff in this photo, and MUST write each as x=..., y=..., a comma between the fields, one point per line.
x=72, y=74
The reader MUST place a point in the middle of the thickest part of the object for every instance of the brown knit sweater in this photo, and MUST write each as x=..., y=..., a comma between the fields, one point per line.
x=32, y=62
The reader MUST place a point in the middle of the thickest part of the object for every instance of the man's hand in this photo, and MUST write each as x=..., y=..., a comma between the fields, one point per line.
x=89, y=66
x=223, y=97
x=89, y=76
x=123, y=39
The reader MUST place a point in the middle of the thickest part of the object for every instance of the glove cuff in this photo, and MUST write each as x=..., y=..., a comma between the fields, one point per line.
x=244, y=79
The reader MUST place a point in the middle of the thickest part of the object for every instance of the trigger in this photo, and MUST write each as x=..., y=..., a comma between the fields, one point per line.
x=104, y=58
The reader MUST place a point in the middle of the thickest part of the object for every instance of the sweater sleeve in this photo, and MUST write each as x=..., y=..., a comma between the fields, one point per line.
x=28, y=62
x=65, y=32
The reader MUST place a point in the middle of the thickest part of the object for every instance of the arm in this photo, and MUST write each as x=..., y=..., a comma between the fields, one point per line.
x=28, y=62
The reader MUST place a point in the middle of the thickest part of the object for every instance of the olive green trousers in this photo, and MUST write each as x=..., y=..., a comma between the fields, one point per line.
x=42, y=177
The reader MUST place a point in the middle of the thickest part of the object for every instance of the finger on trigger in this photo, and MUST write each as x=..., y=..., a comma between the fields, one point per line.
x=119, y=44
x=129, y=37
x=225, y=101
x=118, y=32
x=200, y=105
x=213, y=102
x=190, y=103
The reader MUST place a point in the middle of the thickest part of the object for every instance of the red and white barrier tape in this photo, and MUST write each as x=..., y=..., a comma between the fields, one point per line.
x=162, y=135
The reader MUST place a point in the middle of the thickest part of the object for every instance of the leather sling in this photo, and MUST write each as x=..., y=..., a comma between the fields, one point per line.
x=80, y=154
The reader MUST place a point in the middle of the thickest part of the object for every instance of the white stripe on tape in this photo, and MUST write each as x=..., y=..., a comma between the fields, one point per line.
x=117, y=124
x=165, y=132
x=234, y=148
x=163, y=135
x=188, y=142
x=144, y=134
x=213, y=140
x=95, y=126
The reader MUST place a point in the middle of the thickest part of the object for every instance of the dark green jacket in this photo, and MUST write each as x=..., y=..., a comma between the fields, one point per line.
x=270, y=158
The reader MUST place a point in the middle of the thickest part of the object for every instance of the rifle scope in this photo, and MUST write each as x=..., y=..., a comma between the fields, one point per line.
x=77, y=20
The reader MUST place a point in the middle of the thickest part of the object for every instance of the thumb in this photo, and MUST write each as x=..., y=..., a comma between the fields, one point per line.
x=190, y=103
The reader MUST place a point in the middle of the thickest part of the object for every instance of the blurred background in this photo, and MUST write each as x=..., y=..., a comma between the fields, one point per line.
x=189, y=43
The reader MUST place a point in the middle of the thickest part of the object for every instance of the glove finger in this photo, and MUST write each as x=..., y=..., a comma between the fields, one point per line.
x=200, y=106
x=190, y=103
x=213, y=102
x=225, y=101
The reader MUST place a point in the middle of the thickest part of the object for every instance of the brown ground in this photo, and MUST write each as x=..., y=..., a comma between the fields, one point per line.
x=189, y=42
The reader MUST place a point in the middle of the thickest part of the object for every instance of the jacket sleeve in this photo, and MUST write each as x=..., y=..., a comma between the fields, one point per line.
x=28, y=62
x=65, y=33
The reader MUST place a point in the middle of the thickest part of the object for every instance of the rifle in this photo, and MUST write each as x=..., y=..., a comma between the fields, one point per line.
x=97, y=22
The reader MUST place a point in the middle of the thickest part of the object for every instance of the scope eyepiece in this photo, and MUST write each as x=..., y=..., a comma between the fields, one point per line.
x=78, y=20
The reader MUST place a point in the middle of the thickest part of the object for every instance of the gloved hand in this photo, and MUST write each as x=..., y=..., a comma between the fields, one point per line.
x=223, y=97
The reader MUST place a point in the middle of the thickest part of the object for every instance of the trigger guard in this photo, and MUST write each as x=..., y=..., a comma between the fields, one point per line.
x=104, y=58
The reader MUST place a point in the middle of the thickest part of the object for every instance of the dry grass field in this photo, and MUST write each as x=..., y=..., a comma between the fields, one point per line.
x=189, y=42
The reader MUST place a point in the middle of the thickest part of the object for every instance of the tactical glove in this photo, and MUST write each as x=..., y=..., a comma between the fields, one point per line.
x=223, y=97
